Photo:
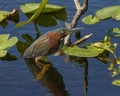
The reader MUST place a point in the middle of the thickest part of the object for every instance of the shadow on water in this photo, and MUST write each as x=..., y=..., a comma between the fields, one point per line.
x=84, y=63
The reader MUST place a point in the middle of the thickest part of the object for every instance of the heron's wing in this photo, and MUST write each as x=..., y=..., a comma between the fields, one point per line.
x=38, y=48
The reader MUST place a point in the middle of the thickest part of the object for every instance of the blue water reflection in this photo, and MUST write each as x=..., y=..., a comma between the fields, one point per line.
x=16, y=79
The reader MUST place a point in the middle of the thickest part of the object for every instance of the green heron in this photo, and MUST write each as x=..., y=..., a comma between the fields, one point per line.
x=48, y=43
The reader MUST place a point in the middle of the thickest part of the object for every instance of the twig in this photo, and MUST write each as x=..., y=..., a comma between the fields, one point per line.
x=80, y=11
x=81, y=40
x=77, y=4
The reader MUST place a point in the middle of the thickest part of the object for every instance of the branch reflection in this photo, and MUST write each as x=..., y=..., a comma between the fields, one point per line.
x=84, y=63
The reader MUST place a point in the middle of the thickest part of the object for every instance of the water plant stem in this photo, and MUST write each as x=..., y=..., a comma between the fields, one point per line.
x=37, y=30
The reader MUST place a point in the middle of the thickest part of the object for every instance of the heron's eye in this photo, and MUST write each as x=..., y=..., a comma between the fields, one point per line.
x=62, y=31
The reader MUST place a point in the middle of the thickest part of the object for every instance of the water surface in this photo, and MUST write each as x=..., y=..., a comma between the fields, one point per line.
x=17, y=78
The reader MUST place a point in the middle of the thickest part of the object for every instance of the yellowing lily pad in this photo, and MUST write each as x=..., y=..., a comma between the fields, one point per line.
x=90, y=20
x=116, y=82
x=3, y=53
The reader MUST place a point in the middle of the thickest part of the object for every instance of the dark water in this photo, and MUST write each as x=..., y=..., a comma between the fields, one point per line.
x=73, y=79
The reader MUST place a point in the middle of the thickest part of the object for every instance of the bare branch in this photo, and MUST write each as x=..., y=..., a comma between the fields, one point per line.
x=76, y=18
x=81, y=40
x=77, y=4
x=68, y=25
x=85, y=4
x=80, y=11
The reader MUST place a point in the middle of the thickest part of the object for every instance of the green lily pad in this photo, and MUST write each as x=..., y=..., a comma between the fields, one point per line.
x=22, y=46
x=4, y=37
x=114, y=32
x=3, y=15
x=3, y=53
x=6, y=15
x=48, y=16
x=28, y=39
x=107, y=46
x=107, y=12
x=6, y=43
x=116, y=82
x=31, y=8
x=89, y=51
x=8, y=57
x=90, y=20
x=116, y=16
x=35, y=14
x=92, y=50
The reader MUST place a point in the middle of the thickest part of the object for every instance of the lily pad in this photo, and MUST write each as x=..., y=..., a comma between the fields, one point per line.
x=3, y=53
x=8, y=57
x=22, y=46
x=114, y=32
x=32, y=7
x=107, y=46
x=107, y=12
x=89, y=51
x=90, y=20
x=48, y=16
x=6, y=43
x=92, y=50
x=116, y=82
x=3, y=15
x=104, y=45
x=6, y=15
x=116, y=16
x=4, y=37
x=35, y=14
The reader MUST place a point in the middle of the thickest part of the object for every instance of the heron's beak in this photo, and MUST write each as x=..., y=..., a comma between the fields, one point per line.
x=69, y=31
x=73, y=29
x=66, y=31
